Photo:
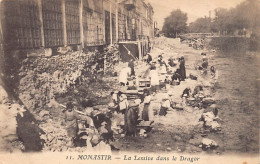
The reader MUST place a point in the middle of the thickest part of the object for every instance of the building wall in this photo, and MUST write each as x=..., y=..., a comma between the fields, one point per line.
x=51, y=23
x=22, y=24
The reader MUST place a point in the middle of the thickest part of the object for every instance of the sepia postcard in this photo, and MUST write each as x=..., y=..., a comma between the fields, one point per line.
x=129, y=81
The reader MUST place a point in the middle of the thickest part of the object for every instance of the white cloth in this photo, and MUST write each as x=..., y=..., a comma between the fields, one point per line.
x=114, y=97
x=123, y=104
x=154, y=77
x=125, y=72
x=163, y=69
x=166, y=104
x=147, y=99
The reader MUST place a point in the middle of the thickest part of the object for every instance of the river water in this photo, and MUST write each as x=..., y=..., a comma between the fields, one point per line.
x=237, y=92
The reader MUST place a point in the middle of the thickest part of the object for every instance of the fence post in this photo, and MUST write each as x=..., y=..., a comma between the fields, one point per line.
x=63, y=10
x=41, y=22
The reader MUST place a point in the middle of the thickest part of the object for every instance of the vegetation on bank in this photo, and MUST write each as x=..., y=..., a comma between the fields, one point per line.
x=241, y=20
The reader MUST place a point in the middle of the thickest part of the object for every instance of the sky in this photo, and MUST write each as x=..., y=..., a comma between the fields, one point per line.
x=194, y=8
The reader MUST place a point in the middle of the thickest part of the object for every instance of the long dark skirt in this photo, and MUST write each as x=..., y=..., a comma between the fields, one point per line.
x=131, y=116
x=145, y=114
x=182, y=72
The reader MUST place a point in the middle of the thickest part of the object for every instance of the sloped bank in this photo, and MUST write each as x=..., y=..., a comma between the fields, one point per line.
x=48, y=83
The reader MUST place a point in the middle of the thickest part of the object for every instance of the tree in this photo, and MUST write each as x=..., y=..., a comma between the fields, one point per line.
x=222, y=21
x=244, y=17
x=175, y=23
x=201, y=25
x=247, y=15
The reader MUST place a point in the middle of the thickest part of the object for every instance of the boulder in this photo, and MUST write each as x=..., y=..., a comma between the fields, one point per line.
x=44, y=113
x=208, y=143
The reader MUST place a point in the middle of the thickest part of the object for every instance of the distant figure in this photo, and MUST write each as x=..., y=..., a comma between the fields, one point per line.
x=164, y=107
x=71, y=118
x=205, y=63
x=149, y=58
x=197, y=89
x=214, y=73
x=132, y=67
x=146, y=113
x=114, y=103
x=176, y=77
x=123, y=102
x=114, y=97
x=149, y=44
x=186, y=92
x=171, y=62
x=154, y=79
x=124, y=74
x=160, y=60
x=131, y=120
x=182, y=68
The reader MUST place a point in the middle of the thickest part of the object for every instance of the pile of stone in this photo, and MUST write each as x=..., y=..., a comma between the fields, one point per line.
x=208, y=144
x=112, y=57
x=210, y=121
x=204, y=143
x=55, y=137
x=117, y=123
x=41, y=79
x=91, y=138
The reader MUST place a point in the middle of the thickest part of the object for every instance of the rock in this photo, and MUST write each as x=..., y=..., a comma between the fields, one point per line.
x=209, y=120
x=193, y=77
x=208, y=100
x=142, y=132
x=102, y=129
x=102, y=147
x=188, y=109
x=208, y=143
x=214, y=125
x=196, y=140
x=169, y=149
x=116, y=144
x=213, y=106
x=63, y=50
x=177, y=138
x=95, y=140
x=48, y=52
x=39, y=52
x=53, y=104
x=44, y=113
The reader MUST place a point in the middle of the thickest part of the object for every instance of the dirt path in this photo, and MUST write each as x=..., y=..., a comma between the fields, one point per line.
x=173, y=131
